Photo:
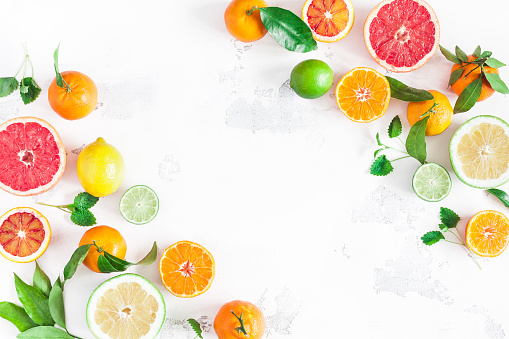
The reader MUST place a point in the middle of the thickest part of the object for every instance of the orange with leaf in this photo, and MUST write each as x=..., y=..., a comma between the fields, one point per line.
x=438, y=109
x=242, y=19
x=103, y=238
x=239, y=319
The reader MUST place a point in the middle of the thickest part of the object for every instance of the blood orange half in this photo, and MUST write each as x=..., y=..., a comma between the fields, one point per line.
x=24, y=234
x=329, y=20
x=32, y=156
x=402, y=35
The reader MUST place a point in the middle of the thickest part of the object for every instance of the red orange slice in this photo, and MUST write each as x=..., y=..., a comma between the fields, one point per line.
x=329, y=20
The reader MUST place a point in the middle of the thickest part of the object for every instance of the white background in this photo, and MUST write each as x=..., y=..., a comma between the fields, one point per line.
x=276, y=187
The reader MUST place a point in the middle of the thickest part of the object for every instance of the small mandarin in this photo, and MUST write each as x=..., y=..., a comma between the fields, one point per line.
x=471, y=73
x=244, y=23
x=440, y=115
x=108, y=238
x=239, y=319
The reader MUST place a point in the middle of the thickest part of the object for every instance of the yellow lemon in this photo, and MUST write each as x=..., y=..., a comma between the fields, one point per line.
x=100, y=168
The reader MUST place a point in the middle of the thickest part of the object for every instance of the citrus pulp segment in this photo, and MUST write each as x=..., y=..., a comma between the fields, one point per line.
x=24, y=234
x=487, y=233
x=32, y=156
x=330, y=21
x=139, y=205
x=363, y=94
x=402, y=35
x=479, y=152
x=127, y=306
x=431, y=182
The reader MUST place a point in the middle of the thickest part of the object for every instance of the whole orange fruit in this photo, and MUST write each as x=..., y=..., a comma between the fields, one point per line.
x=440, y=116
x=242, y=22
x=463, y=81
x=239, y=319
x=108, y=239
x=76, y=99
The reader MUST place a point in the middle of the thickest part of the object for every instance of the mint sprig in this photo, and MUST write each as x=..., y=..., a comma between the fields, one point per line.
x=79, y=209
x=195, y=325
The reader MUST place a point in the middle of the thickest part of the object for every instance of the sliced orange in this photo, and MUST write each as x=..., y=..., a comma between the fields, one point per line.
x=186, y=269
x=329, y=20
x=363, y=94
x=487, y=233
x=24, y=234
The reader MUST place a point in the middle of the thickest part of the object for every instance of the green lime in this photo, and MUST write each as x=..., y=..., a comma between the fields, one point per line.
x=311, y=78
x=431, y=182
x=139, y=205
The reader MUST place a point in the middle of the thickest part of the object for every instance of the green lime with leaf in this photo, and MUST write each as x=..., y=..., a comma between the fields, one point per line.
x=310, y=79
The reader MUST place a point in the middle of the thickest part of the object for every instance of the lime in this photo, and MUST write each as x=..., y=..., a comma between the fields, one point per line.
x=126, y=306
x=311, y=78
x=139, y=204
x=431, y=182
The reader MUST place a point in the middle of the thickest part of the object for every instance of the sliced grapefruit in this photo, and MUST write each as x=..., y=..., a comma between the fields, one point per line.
x=329, y=20
x=32, y=156
x=402, y=35
x=24, y=234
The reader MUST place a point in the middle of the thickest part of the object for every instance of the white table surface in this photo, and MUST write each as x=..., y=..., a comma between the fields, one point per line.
x=275, y=186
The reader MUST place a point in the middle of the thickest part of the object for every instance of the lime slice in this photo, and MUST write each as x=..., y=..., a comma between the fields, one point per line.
x=139, y=205
x=126, y=306
x=431, y=182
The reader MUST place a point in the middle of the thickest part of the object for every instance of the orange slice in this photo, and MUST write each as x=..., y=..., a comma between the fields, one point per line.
x=24, y=234
x=329, y=20
x=187, y=269
x=487, y=233
x=363, y=94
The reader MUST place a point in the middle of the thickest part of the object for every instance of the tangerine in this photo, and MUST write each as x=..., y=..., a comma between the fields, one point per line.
x=440, y=113
x=244, y=23
x=239, y=319
x=470, y=73
x=487, y=233
x=108, y=239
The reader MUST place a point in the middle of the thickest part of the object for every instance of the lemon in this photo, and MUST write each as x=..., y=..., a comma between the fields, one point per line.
x=100, y=168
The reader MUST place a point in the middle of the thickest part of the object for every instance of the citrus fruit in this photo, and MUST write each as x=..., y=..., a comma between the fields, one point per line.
x=479, y=152
x=363, y=94
x=100, y=168
x=24, y=234
x=431, y=182
x=126, y=306
x=186, y=269
x=139, y=204
x=470, y=73
x=76, y=99
x=227, y=323
x=242, y=22
x=330, y=21
x=311, y=78
x=108, y=239
x=487, y=233
x=401, y=35
x=440, y=113
x=32, y=156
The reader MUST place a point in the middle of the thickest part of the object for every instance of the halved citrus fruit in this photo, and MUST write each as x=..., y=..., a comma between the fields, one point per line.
x=187, y=269
x=32, y=156
x=24, y=234
x=402, y=35
x=329, y=21
x=363, y=94
x=127, y=306
x=431, y=182
x=487, y=233
x=479, y=152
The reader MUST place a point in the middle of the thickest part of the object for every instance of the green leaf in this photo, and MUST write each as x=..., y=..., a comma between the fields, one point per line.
x=416, y=140
x=378, y=140
x=76, y=259
x=288, y=29
x=56, y=304
x=150, y=257
x=378, y=151
x=468, y=97
x=121, y=265
x=461, y=55
x=44, y=332
x=443, y=227
x=35, y=303
x=496, y=83
x=60, y=80
x=395, y=127
x=455, y=75
x=494, y=63
x=486, y=54
x=16, y=315
x=85, y=200
x=41, y=280
x=448, y=217
x=381, y=166
x=196, y=327
x=104, y=265
x=30, y=90
x=403, y=92
x=477, y=51
x=501, y=195
x=7, y=86
x=83, y=218
x=449, y=56
x=432, y=237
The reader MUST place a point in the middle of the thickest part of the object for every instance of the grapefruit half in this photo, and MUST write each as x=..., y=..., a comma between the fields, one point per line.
x=32, y=156
x=402, y=35
x=329, y=21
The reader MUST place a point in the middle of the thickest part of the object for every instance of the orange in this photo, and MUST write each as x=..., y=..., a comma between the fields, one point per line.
x=440, y=113
x=108, y=238
x=363, y=94
x=466, y=80
x=487, y=233
x=330, y=21
x=186, y=269
x=75, y=101
x=239, y=319
x=242, y=22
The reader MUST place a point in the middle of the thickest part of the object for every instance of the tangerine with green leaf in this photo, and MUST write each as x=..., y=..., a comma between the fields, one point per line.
x=106, y=239
x=243, y=20
x=439, y=110
x=471, y=72
x=239, y=319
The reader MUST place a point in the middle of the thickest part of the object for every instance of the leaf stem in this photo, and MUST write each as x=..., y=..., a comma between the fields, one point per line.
x=406, y=156
x=468, y=249
x=248, y=12
x=60, y=207
x=471, y=71
x=241, y=328
x=454, y=242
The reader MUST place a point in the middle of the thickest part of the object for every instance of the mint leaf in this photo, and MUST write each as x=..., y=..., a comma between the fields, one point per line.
x=443, y=227
x=494, y=63
x=381, y=166
x=395, y=127
x=76, y=259
x=83, y=218
x=461, y=55
x=496, y=83
x=449, y=56
x=501, y=195
x=196, y=327
x=7, y=86
x=468, y=97
x=29, y=90
x=16, y=315
x=448, y=217
x=35, y=303
x=41, y=281
x=85, y=200
x=477, y=52
x=455, y=75
x=416, y=141
x=432, y=237
x=44, y=332
x=378, y=151
x=403, y=92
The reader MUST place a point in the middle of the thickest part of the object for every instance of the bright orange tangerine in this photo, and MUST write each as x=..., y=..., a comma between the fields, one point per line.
x=487, y=233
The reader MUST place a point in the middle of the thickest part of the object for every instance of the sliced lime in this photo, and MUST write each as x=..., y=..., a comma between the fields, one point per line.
x=431, y=182
x=139, y=205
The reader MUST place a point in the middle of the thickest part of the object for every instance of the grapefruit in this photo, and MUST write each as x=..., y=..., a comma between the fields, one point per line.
x=24, y=234
x=32, y=156
x=329, y=21
x=402, y=35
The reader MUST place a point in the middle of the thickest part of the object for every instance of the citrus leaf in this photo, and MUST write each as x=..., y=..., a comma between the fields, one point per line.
x=76, y=259
x=378, y=140
x=16, y=315
x=121, y=265
x=468, y=97
x=381, y=166
x=461, y=55
x=492, y=62
x=449, y=56
x=501, y=195
x=477, y=51
x=432, y=237
x=403, y=92
x=455, y=75
x=448, y=217
x=56, y=304
x=7, y=86
x=395, y=127
x=29, y=90
x=41, y=280
x=288, y=29
x=35, y=303
x=59, y=79
x=104, y=265
x=85, y=200
x=416, y=141
x=196, y=327
x=496, y=83
x=44, y=332
x=83, y=218
x=486, y=54
x=150, y=257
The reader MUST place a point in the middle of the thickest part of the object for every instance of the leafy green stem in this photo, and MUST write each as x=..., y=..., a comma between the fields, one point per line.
x=454, y=242
x=241, y=328
x=431, y=110
x=406, y=156
x=472, y=254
